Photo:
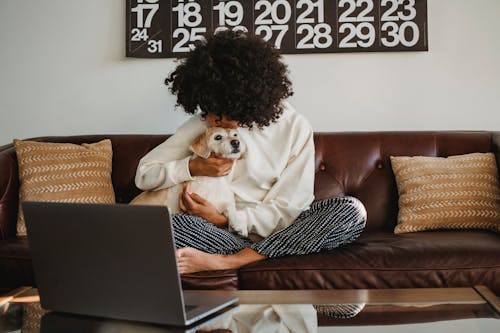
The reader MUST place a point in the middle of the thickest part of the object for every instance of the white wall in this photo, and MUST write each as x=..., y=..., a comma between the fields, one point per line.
x=63, y=71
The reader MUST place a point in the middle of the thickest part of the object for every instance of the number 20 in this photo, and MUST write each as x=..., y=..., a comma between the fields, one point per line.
x=272, y=9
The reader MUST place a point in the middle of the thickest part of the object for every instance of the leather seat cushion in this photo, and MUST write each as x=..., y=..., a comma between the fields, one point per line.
x=16, y=270
x=386, y=260
x=377, y=260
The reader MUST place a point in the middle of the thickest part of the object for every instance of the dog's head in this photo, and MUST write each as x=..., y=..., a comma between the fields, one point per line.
x=222, y=142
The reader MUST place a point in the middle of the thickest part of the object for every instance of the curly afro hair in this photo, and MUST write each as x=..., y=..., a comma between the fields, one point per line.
x=232, y=75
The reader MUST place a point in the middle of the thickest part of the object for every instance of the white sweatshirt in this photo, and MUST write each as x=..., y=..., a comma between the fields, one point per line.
x=273, y=184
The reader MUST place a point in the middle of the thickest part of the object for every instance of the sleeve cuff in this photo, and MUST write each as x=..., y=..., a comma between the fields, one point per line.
x=181, y=171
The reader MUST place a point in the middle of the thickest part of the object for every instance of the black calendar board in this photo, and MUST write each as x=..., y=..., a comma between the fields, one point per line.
x=169, y=28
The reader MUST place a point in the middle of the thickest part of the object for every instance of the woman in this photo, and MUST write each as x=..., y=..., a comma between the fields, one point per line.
x=235, y=81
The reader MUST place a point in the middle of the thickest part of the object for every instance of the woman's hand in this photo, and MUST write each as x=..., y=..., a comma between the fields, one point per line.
x=193, y=204
x=210, y=167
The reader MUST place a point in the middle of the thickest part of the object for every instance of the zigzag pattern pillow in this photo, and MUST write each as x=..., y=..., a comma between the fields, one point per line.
x=457, y=192
x=63, y=172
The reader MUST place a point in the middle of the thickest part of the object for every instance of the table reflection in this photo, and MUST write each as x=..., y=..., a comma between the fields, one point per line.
x=246, y=318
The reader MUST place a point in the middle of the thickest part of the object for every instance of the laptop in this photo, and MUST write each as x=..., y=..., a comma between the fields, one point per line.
x=115, y=261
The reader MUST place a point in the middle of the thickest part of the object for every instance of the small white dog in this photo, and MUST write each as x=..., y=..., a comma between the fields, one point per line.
x=222, y=142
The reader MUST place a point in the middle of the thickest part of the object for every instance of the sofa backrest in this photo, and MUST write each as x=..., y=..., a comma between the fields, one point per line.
x=356, y=164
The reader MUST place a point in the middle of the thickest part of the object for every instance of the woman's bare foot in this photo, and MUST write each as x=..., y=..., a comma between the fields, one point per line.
x=190, y=260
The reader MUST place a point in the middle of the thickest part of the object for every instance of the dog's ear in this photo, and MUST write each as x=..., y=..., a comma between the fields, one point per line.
x=200, y=146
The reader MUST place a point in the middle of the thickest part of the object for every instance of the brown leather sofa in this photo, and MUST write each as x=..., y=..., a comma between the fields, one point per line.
x=355, y=164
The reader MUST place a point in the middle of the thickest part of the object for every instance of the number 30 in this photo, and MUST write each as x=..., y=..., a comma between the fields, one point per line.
x=397, y=33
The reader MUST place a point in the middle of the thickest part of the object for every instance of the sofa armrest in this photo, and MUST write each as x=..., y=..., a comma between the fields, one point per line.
x=495, y=143
x=9, y=192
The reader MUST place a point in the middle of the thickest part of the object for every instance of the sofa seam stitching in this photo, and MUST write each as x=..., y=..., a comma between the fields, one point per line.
x=370, y=269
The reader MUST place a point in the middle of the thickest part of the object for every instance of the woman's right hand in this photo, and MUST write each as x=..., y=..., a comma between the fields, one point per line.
x=210, y=167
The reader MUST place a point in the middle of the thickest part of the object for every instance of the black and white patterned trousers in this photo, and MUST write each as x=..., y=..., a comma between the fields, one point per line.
x=326, y=225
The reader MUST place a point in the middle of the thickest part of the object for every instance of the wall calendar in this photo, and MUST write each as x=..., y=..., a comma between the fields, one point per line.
x=169, y=28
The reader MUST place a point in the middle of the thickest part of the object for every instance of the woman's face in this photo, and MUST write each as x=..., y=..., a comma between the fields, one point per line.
x=215, y=121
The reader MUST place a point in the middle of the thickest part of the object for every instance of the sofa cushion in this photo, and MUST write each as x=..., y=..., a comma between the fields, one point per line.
x=386, y=260
x=457, y=192
x=63, y=172
x=376, y=260
x=211, y=280
x=16, y=270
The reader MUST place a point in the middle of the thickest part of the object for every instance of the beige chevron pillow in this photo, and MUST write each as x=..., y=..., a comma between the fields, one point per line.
x=63, y=172
x=457, y=192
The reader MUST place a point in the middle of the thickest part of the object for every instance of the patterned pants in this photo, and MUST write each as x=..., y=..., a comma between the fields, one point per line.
x=326, y=225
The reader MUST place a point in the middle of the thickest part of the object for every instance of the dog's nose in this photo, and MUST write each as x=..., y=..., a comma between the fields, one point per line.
x=235, y=143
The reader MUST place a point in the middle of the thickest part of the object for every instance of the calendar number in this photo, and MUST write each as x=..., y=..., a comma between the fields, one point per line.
x=139, y=35
x=230, y=13
x=155, y=46
x=364, y=32
x=150, y=8
x=267, y=32
x=188, y=37
x=397, y=34
x=351, y=6
x=320, y=35
x=393, y=14
x=305, y=16
x=188, y=14
x=272, y=9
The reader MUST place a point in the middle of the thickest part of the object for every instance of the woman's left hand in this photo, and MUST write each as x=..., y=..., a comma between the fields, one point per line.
x=193, y=204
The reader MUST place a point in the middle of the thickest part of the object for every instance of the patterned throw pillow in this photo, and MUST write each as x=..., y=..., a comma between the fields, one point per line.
x=457, y=192
x=63, y=172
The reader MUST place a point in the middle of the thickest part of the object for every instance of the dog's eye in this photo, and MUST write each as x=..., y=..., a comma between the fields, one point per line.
x=218, y=137
x=235, y=135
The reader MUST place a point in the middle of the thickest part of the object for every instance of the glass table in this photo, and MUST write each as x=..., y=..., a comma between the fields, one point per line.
x=388, y=310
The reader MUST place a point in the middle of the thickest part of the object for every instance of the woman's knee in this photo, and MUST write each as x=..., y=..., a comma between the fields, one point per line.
x=359, y=210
